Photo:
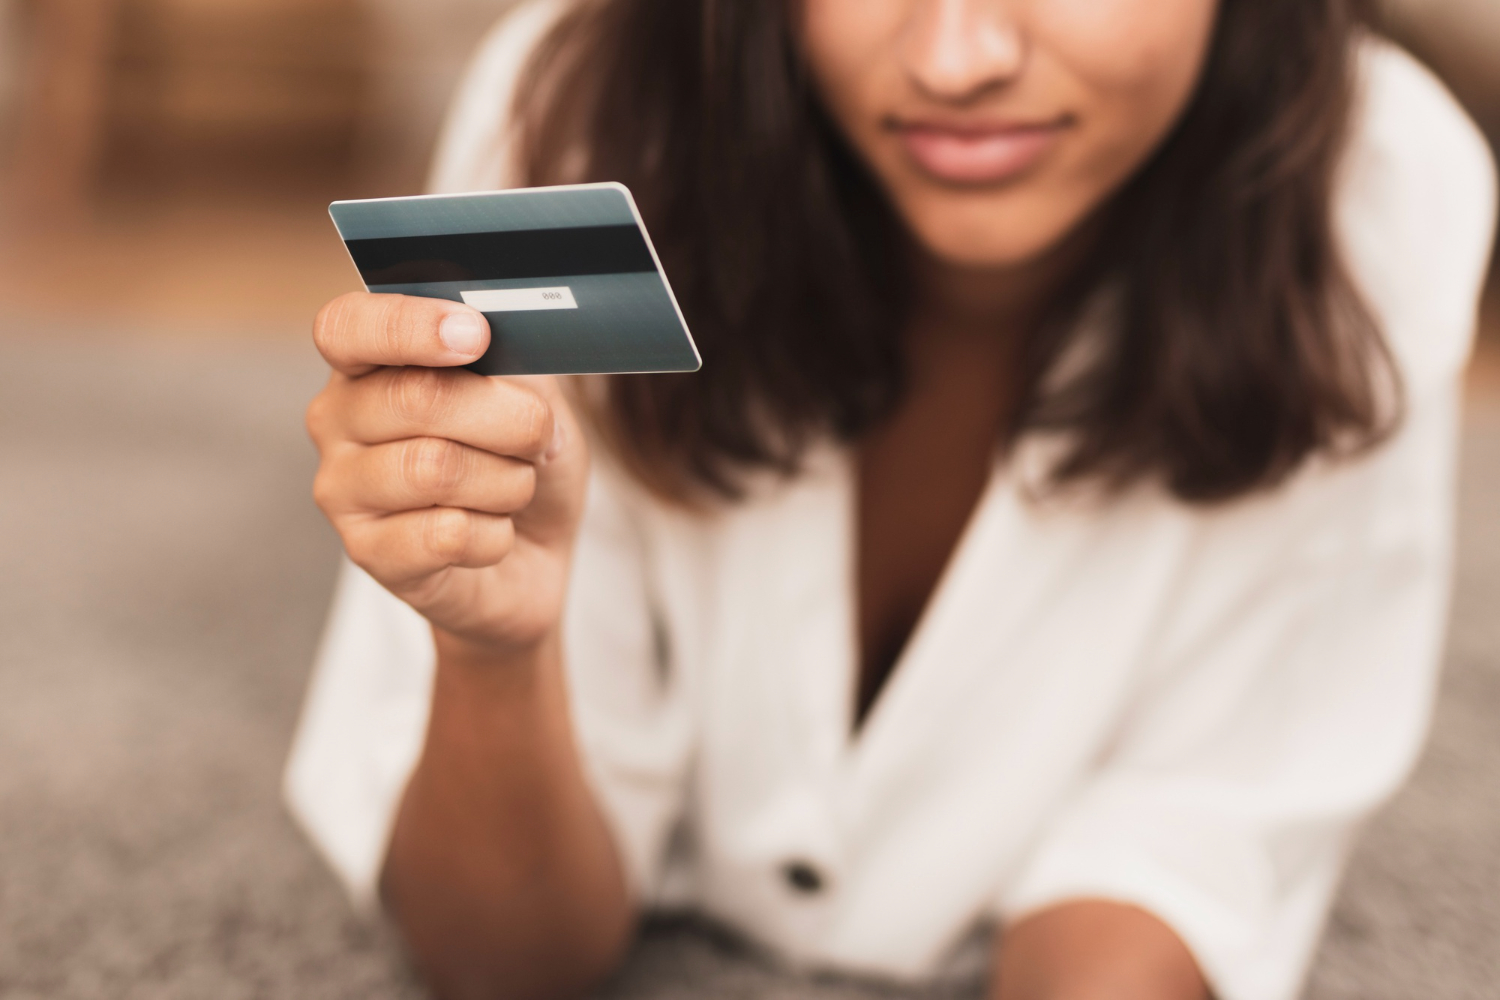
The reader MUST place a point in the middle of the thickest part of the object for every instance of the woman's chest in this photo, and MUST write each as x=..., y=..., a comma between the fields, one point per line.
x=1028, y=651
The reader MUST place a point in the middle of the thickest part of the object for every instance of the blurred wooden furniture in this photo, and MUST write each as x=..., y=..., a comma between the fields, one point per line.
x=419, y=49
x=60, y=127
x=1461, y=40
x=180, y=88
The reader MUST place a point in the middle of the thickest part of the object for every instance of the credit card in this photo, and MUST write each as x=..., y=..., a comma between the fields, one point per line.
x=566, y=276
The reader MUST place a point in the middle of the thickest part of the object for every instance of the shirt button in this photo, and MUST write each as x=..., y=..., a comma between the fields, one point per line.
x=802, y=877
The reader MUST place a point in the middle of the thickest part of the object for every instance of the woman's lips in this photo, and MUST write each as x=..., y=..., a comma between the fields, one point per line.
x=977, y=155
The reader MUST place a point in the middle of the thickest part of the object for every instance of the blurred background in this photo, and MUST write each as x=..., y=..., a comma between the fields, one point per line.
x=164, y=171
x=169, y=160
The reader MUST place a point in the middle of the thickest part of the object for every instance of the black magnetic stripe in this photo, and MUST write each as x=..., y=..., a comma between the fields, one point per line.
x=526, y=253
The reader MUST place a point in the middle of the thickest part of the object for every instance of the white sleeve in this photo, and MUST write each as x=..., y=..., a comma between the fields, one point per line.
x=362, y=727
x=1416, y=215
x=1283, y=706
x=630, y=700
x=365, y=717
x=1292, y=687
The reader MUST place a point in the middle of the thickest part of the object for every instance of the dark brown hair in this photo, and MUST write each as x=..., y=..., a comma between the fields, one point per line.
x=1237, y=346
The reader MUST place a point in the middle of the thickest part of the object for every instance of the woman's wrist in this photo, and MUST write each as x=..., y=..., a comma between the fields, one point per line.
x=494, y=668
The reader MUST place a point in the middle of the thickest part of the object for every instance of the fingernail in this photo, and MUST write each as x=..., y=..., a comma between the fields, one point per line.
x=559, y=438
x=462, y=332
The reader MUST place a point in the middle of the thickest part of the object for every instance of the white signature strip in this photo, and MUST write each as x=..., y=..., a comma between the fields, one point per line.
x=494, y=300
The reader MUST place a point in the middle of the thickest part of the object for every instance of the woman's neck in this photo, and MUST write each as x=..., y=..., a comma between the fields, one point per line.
x=923, y=470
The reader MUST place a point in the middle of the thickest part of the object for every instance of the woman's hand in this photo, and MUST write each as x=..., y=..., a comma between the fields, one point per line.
x=459, y=493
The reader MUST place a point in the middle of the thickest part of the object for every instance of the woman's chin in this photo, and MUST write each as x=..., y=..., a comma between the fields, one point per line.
x=988, y=251
x=971, y=234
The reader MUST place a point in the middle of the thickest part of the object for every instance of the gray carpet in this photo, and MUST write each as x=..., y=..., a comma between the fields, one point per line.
x=164, y=580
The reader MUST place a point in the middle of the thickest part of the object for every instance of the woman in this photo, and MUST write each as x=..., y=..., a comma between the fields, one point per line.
x=1055, y=541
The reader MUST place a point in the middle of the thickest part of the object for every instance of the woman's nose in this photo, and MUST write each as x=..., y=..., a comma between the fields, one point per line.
x=960, y=50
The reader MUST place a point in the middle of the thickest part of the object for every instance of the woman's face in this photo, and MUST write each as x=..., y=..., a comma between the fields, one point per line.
x=997, y=126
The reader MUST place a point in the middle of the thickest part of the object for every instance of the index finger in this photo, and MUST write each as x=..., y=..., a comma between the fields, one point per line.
x=359, y=332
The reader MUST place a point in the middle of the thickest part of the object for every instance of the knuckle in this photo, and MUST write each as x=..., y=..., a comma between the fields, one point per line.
x=387, y=326
x=329, y=322
x=361, y=550
x=502, y=539
x=434, y=467
x=402, y=318
x=532, y=422
x=448, y=533
x=325, y=489
x=525, y=487
x=419, y=396
x=319, y=416
x=325, y=320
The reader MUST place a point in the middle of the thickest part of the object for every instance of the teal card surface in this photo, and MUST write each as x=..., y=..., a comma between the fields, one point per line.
x=566, y=276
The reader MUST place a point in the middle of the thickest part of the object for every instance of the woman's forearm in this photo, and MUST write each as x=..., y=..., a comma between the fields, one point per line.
x=1093, y=949
x=501, y=872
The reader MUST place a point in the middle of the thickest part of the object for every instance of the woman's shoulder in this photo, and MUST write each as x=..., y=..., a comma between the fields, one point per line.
x=474, y=151
x=1407, y=120
x=1416, y=211
x=1398, y=89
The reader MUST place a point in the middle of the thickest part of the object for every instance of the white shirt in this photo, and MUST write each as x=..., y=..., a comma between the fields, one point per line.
x=1184, y=708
